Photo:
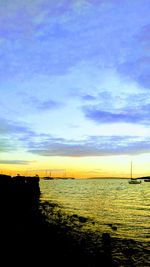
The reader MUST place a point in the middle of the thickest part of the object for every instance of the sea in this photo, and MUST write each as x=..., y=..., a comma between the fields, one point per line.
x=110, y=205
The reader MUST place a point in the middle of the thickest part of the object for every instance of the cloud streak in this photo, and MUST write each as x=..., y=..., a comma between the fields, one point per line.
x=136, y=114
x=44, y=105
x=13, y=135
x=92, y=146
x=15, y=162
x=49, y=146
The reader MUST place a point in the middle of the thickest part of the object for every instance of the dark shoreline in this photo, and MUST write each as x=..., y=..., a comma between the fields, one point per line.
x=36, y=232
x=95, y=248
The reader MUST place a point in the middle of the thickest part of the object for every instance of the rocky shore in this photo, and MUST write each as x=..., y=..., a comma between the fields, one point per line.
x=39, y=233
x=92, y=248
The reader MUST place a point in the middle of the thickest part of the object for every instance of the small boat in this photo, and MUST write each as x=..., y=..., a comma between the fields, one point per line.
x=133, y=180
x=146, y=180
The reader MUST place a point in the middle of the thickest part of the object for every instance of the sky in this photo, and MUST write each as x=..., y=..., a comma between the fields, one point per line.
x=74, y=87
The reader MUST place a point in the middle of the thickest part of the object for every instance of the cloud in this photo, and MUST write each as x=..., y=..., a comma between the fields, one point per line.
x=88, y=97
x=55, y=36
x=5, y=145
x=92, y=146
x=13, y=135
x=18, y=136
x=44, y=104
x=20, y=162
x=136, y=114
x=101, y=116
x=137, y=69
x=136, y=63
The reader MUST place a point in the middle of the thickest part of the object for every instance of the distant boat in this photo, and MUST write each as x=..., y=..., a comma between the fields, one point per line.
x=133, y=180
x=146, y=180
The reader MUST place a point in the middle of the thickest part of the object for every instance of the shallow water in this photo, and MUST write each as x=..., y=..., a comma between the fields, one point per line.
x=112, y=205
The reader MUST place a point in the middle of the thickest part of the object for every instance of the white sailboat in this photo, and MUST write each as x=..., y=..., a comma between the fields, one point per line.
x=133, y=180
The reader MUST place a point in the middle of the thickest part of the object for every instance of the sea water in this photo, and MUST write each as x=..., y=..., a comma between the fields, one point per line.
x=111, y=205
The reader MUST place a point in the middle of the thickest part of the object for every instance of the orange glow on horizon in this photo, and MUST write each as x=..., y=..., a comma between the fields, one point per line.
x=85, y=167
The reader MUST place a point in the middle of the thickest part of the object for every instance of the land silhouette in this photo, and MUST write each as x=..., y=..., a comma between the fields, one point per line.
x=26, y=234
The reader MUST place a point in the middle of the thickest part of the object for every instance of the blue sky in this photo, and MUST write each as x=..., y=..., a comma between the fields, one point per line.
x=74, y=80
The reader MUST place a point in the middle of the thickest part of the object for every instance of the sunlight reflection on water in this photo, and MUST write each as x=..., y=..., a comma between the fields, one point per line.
x=114, y=205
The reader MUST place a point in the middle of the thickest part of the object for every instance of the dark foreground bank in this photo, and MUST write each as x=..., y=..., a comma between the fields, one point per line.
x=38, y=233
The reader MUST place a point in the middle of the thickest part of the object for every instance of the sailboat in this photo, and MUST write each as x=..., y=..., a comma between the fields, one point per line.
x=133, y=180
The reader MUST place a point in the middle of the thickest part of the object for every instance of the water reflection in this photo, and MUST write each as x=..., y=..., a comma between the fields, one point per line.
x=107, y=202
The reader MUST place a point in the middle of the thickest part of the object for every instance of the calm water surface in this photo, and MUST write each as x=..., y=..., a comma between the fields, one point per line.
x=113, y=205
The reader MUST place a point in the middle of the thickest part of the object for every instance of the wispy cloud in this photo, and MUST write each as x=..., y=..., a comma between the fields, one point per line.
x=136, y=63
x=44, y=105
x=92, y=146
x=20, y=162
x=49, y=104
x=54, y=36
x=136, y=114
x=12, y=135
x=88, y=97
x=5, y=144
x=48, y=145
